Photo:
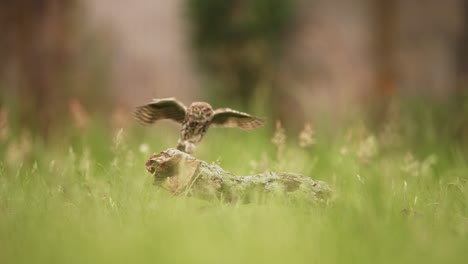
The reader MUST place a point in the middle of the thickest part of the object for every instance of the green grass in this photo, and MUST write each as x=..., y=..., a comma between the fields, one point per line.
x=90, y=200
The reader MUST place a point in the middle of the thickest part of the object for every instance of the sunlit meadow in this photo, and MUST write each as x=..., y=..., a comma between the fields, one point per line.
x=400, y=197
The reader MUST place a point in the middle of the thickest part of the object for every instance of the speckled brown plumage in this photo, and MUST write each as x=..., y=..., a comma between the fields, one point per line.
x=195, y=119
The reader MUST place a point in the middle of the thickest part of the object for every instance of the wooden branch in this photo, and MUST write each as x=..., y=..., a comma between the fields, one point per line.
x=183, y=174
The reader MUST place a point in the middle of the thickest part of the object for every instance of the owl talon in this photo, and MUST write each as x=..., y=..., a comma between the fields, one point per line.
x=186, y=147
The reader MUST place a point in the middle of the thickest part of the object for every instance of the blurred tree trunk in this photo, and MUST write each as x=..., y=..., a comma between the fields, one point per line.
x=462, y=73
x=36, y=37
x=429, y=33
x=385, y=24
x=462, y=56
x=328, y=63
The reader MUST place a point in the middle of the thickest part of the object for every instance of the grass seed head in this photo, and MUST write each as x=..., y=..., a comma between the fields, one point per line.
x=4, y=126
x=307, y=136
x=279, y=139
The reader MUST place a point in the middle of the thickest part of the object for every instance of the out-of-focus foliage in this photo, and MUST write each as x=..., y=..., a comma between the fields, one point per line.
x=237, y=40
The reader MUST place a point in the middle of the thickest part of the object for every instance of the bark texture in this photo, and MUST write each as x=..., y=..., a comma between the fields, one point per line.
x=183, y=174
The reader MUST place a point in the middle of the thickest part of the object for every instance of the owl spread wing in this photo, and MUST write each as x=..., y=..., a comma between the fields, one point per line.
x=167, y=108
x=226, y=117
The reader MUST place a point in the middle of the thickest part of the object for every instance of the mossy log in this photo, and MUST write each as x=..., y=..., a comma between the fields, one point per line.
x=183, y=174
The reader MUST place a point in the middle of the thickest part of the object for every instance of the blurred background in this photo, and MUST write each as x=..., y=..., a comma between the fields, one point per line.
x=66, y=62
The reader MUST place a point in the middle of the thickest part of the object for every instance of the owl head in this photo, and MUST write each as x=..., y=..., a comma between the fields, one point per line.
x=200, y=112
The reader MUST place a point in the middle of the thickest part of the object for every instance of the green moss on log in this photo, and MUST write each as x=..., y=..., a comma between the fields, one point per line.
x=183, y=174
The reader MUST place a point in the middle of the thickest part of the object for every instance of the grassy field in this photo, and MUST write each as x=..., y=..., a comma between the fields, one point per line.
x=90, y=200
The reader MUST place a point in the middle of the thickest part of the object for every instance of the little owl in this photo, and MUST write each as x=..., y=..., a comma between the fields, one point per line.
x=195, y=119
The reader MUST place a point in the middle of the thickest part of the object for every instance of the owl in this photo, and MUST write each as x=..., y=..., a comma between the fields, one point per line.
x=195, y=119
